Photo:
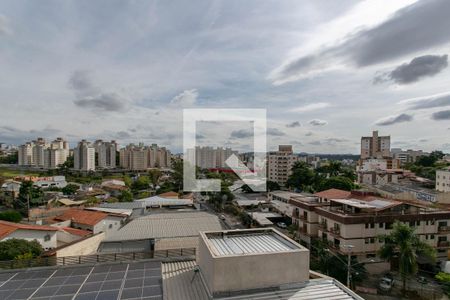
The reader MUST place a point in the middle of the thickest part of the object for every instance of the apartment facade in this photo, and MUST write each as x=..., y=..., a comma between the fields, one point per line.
x=141, y=157
x=360, y=223
x=84, y=156
x=280, y=163
x=443, y=180
x=106, y=153
x=375, y=146
x=38, y=153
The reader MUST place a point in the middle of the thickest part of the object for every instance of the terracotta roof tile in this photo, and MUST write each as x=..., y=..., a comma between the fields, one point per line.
x=75, y=231
x=80, y=216
x=7, y=228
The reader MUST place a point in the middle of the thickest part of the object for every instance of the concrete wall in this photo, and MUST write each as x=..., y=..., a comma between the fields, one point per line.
x=83, y=247
x=38, y=235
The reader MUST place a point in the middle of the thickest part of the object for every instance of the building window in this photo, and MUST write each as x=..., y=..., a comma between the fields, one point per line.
x=110, y=226
x=381, y=225
x=47, y=238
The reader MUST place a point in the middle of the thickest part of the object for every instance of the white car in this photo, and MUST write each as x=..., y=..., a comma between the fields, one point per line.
x=386, y=284
x=282, y=225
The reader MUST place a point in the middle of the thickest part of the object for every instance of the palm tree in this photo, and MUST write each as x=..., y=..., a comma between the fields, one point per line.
x=404, y=244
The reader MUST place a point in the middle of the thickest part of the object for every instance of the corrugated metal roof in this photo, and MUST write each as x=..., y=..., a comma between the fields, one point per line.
x=160, y=201
x=316, y=289
x=181, y=283
x=166, y=225
x=249, y=244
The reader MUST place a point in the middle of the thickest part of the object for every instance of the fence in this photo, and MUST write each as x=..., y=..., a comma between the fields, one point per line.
x=95, y=258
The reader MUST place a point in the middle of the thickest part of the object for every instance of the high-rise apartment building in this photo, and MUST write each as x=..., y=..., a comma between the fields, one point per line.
x=25, y=154
x=39, y=153
x=375, y=146
x=443, y=180
x=106, y=154
x=280, y=163
x=210, y=157
x=84, y=156
x=141, y=158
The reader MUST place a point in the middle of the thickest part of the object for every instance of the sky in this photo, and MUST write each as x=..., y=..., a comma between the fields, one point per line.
x=327, y=72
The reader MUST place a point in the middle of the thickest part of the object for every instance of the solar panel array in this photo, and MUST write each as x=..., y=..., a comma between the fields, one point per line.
x=139, y=280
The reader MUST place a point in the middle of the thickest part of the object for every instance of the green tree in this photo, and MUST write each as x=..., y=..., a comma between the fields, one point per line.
x=11, y=216
x=337, y=182
x=404, y=244
x=70, y=189
x=29, y=192
x=13, y=248
x=126, y=196
x=302, y=177
x=154, y=176
x=444, y=279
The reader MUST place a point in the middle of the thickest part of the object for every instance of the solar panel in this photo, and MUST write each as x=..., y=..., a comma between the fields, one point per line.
x=138, y=280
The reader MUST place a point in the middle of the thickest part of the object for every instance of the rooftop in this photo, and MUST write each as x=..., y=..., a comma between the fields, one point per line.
x=6, y=228
x=161, y=201
x=333, y=194
x=166, y=225
x=81, y=216
x=247, y=242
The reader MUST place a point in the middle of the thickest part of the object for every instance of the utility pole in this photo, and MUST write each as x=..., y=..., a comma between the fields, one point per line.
x=349, y=259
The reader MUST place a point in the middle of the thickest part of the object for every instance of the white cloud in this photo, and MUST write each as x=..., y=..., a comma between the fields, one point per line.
x=185, y=99
x=311, y=107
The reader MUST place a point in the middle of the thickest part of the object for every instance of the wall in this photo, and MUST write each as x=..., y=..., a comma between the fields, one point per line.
x=38, y=235
x=84, y=247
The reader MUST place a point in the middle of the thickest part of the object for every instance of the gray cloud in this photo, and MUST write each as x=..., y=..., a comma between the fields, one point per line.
x=416, y=69
x=90, y=96
x=275, y=132
x=111, y=102
x=441, y=115
x=294, y=124
x=415, y=28
x=317, y=122
x=429, y=101
x=309, y=133
x=241, y=133
x=185, y=98
x=9, y=134
x=394, y=120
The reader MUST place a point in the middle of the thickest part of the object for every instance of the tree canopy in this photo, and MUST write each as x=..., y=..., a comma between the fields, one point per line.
x=13, y=248
x=11, y=216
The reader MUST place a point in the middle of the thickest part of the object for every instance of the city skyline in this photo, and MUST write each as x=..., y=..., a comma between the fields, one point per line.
x=127, y=69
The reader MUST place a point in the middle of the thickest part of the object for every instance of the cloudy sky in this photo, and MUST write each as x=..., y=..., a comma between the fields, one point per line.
x=327, y=72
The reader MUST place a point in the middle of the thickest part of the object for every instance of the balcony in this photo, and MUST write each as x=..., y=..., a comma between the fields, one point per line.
x=443, y=244
x=443, y=229
x=335, y=231
x=322, y=225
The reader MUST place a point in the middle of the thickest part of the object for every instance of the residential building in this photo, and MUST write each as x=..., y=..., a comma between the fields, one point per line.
x=377, y=177
x=93, y=221
x=45, y=235
x=25, y=154
x=375, y=146
x=140, y=157
x=84, y=156
x=106, y=154
x=443, y=180
x=408, y=156
x=360, y=223
x=210, y=157
x=56, y=154
x=280, y=164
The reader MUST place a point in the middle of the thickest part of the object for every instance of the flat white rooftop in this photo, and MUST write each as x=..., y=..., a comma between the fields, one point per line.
x=248, y=242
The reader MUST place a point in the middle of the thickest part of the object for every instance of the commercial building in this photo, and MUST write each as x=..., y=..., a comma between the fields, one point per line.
x=84, y=156
x=407, y=156
x=377, y=177
x=443, y=181
x=160, y=231
x=280, y=163
x=375, y=146
x=106, y=154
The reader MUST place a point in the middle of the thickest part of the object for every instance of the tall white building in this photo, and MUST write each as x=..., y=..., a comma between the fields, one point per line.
x=280, y=163
x=25, y=154
x=106, y=154
x=84, y=156
x=443, y=180
x=140, y=157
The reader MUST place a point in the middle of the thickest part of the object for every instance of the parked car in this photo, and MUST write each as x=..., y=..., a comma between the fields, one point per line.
x=282, y=225
x=222, y=217
x=386, y=283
